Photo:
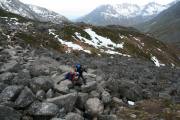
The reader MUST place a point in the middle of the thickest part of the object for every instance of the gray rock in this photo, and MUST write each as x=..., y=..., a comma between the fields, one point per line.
x=43, y=66
x=41, y=83
x=40, y=94
x=65, y=101
x=94, y=106
x=106, y=97
x=107, y=117
x=25, y=98
x=89, y=87
x=126, y=88
x=49, y=93
x=6, y=77
x=7, y=113
x=2, y=87
x=118, y=101
x=11, y=66
x=43, y=109
x=64, y=86
x=81, y=100
x=94, y=94
x=74, y=116
x=10, y=93
x=23, y=78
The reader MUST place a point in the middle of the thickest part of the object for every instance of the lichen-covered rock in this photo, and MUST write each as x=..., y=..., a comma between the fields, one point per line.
x=94, y=106
x=81, y=100
x=40, y=95
x=74, y=116
x=90, y=86
x=7, y=113
x=43, y=109
x=41, y=83
x=10, y=93
x=6, y=78
x=65, y=101
x=25, y=98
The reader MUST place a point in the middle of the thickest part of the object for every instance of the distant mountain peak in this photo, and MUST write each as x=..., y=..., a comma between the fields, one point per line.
x=31, y=11
x=125, y=14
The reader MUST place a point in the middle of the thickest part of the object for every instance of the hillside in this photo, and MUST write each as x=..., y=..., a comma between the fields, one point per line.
x=90, y=39
x=129, y=76
x=123, y=14
x=166, y=26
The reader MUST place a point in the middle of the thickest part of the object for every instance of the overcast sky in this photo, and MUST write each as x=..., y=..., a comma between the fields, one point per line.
x=76, y=8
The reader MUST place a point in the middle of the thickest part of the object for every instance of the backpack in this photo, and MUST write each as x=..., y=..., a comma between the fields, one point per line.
x=78, y=67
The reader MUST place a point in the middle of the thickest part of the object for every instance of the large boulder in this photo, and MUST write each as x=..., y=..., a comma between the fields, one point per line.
x=81, y=100
x=125, y=88
x=94, y=106
x=25, y=98
x=10, y=93
x=23, y=78
x=6, y=77
x=90, y=86
x=41, y=83
x=10, y=66
x=64, y=86
x=7, y=113
x=43, y=109
x=65, y=101
x=43, y=66
x=74, y=116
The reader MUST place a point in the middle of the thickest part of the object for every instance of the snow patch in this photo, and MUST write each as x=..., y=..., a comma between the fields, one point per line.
x=68, y=44
x=156, y=61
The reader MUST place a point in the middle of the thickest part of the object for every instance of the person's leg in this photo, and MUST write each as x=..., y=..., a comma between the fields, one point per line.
x=84, y=80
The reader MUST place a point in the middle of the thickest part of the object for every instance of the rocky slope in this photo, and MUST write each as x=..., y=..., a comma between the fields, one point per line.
x=165, y=26
x=123, y=14
x=35, y=56
x=112, y=40
x=31, y=11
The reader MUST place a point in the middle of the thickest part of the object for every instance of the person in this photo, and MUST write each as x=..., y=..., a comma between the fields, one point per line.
x=80, y=69
x=69, y=76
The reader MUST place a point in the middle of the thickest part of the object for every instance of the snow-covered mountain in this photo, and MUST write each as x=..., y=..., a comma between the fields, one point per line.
x=123, y=14
x=31, y=11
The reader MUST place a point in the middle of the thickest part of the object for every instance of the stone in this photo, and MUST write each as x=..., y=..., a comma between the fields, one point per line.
x=7, y=113
x=23, y=78
x=6, y=78
x=43, y=109
x=94, y=106
x=64, y=86
x=2, y=87
x=107, y=117
x=94, y=94
x=41, y=83
x=49, y=93
x=11, y=66
x=90, y=86
x=74, y=116
x=106, y=97
x=10, y=93
x=65, y=101
x=25, y=98
x=118, y=101
x=81, y=100
x=40, y=95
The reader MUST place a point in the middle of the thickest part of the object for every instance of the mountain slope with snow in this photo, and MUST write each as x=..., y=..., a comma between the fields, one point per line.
x=78, y=38
x=123, y=14
x=31, y=11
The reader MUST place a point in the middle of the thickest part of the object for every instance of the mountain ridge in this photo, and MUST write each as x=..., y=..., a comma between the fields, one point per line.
x=32, y=11
x=122, y=14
